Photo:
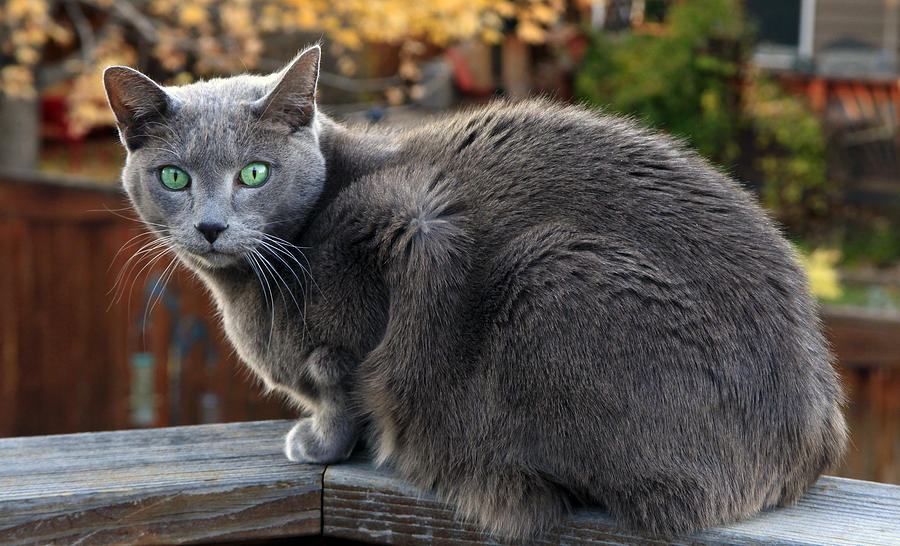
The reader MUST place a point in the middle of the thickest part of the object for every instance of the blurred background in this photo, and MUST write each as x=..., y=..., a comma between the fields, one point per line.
x=798, y=99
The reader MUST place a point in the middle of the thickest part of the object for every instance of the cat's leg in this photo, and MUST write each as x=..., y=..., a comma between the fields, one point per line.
x=330, y=434
x=422, y=386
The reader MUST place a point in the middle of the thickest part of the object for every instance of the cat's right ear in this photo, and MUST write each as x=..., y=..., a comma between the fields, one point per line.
x=291, y=103
x=135, y=100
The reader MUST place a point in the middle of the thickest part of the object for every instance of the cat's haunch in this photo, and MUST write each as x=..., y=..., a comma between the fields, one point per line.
x=523, y=307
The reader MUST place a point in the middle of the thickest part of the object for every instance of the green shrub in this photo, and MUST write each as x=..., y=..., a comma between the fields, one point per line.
x=693, y=80
x=872, y=241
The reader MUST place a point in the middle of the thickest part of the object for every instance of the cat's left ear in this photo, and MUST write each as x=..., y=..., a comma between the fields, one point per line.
x=136, y=101
x=292, y=102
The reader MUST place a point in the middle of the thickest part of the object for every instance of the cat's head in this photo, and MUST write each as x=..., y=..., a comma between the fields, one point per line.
x=217, y=164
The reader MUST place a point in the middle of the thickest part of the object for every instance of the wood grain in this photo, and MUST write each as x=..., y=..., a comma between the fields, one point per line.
x=217, y=483
x=371, y=505
x=182, y=484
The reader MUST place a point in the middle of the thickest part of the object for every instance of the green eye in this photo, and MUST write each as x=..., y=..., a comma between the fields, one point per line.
x=255, y=174
x=174, y=178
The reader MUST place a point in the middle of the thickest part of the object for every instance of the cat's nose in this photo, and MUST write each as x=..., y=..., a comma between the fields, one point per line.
x=211, y=230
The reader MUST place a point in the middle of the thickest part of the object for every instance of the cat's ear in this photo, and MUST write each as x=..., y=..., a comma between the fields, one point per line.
x=135, y=100
x=292, y=101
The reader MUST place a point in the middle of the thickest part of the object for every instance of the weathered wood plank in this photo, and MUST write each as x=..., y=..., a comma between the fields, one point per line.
x=363, y=503
x=183, y=484
x=229, y=482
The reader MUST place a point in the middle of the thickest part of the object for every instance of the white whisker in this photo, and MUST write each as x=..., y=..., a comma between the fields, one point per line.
x=274, y=250
x=286, y=247
x=158, y=288
x=271, y=296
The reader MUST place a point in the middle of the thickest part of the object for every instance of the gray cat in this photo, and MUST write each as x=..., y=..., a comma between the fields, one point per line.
x=524, y=308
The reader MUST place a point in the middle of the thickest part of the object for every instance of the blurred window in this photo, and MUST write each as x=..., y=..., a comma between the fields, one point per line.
x=655, y=10
x=617, y=14
x=777, y=21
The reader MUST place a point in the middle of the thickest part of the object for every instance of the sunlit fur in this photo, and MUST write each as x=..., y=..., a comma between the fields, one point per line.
x=523, y=307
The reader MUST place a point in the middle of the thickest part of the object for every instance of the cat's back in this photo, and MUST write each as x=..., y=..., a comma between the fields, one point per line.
x=656, y=220
x=543, y=158
x=513, y=166
x=508, y=175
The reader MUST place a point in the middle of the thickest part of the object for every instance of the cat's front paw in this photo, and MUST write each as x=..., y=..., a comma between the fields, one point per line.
x=304, y=445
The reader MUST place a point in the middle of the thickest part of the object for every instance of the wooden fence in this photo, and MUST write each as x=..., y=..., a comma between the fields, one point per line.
x=67, y=364
x=231, y=482
x=72, y=358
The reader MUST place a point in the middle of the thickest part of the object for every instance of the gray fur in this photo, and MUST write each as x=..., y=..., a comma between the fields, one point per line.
x=524, y=307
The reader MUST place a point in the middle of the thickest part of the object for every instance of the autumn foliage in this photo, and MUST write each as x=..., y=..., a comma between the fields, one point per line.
x=197, y=38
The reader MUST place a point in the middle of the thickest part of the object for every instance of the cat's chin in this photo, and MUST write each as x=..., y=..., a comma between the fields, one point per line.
x=211, y=260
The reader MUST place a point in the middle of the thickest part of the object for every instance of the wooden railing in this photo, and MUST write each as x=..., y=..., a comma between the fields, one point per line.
x=215, y=483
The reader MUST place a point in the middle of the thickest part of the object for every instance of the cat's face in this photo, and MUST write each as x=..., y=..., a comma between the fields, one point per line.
x=219, y=167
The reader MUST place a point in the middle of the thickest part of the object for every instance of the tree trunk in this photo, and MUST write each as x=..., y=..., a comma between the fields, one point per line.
x=20, y=130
